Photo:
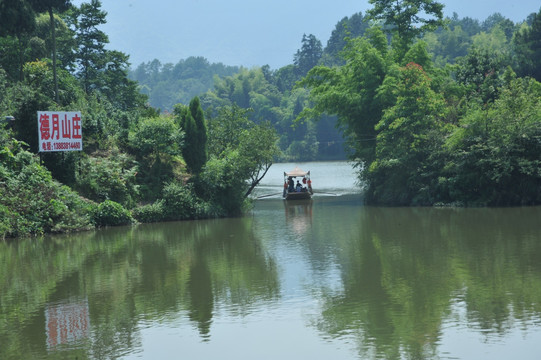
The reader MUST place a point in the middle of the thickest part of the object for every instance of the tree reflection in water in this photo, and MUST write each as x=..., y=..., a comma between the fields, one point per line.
x=407, y=271
x=130, y=276
x=393, y=281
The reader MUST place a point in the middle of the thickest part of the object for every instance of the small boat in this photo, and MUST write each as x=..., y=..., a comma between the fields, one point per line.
x=302, y=189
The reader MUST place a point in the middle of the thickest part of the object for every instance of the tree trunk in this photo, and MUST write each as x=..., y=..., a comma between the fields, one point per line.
x=256, y=180
x=51, y=16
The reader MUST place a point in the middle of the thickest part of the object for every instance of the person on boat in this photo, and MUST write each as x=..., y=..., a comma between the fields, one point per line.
x=299, y=186
x=291, y=184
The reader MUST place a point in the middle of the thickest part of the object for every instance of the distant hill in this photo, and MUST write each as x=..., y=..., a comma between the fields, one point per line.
x=169, y=84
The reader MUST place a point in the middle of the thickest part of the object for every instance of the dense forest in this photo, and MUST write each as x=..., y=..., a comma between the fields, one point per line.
x=433, y=110
x=136, y=164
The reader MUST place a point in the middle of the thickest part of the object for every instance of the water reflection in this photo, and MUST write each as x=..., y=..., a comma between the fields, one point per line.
x=406, y=270
x=127, y=276
x=329, y=277
x=298, y=215
x=67, y=323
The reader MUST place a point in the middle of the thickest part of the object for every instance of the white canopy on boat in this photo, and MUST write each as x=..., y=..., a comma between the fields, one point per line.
x=297, y=172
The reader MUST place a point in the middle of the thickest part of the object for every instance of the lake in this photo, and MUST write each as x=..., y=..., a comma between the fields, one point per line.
x=330, y=278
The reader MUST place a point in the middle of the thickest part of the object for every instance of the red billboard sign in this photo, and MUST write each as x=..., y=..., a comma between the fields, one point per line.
x=60, y=131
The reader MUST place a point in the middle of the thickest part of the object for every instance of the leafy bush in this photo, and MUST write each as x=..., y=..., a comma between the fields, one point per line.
x=150, y=213
x=110, y=213
x=5, y=214
x=111, y=178
x=180, y=201
x=31, y=202
x=222, y=185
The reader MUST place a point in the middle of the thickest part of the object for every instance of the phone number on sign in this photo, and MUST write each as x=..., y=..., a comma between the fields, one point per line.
x=66, y=145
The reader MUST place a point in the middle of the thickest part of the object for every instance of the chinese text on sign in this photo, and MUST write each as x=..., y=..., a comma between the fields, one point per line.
x=60, y=131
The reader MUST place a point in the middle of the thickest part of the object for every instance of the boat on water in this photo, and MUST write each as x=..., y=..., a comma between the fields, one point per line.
x=297, y=185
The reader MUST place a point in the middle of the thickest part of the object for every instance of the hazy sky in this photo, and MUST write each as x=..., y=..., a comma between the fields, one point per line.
x=249, y=32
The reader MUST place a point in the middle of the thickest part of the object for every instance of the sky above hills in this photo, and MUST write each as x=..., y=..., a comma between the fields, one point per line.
x=249, y=32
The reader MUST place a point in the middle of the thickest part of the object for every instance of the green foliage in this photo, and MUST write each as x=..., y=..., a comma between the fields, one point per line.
x=222, y=183
x=527, y=46
x=493, y=41
x=424, y=135
x=480, y=72
x=156, y=136
x=110, y=176
x=225, y=128
x=193, y=123
x=150, y=212
x=64, y=36
x=448, y=44
x=31, y=202
x=495, y=153
x=258, y=148
x=409, y=133
x=467, y=133
x=110, y=213
x=181, y=203
x=308, y=55
x=348, y=27
x=170, y=84
x=155, y=142
x=91, y=44
x=116, y=86
x=351, y=92
x=241, y=151
x=407, y=19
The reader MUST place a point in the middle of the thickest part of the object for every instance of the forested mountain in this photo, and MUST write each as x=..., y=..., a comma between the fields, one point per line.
x=273, y=96
x=168, y=84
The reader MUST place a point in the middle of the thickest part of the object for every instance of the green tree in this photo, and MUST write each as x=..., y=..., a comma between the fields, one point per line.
x=409, y=136
x=157, y=136
x=494, y=41
x=479, y=72
x=31, y=202
x=64, y=36
x=351, y=92
x=499, y=20
x=119, y=89
x=258, y=148
x=241, y=153
x=170, y=84
x=308, y=55
x=201, y=131
x=28, y=99
x=17, y=18
x=91, y=44
x=49, y=6
x=225, y=129
x=494, y=154
x=527, y=46
x=155, y=142
x=407, y=19
x=348, y=27
x=192, y=120
x=284, y=78
x=448, y=44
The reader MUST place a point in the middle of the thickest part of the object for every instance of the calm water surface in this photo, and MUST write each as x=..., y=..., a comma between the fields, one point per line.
x=324, y=279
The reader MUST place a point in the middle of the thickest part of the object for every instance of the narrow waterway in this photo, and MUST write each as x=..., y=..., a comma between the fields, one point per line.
x=329, y=278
